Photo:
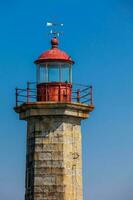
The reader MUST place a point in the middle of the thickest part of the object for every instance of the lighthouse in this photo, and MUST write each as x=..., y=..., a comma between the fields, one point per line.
x=53, y=107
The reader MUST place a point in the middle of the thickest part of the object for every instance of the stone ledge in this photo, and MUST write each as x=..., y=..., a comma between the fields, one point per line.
x=37, y=109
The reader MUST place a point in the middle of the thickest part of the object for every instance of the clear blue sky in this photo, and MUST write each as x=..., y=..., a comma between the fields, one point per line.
x=99, y=37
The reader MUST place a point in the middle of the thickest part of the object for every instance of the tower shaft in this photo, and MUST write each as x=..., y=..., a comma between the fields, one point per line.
x=54, y=157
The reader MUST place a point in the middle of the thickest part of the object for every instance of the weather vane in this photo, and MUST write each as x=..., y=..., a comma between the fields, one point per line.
x=53, y=30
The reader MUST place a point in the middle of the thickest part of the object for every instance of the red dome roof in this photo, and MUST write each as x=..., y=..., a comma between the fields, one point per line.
x=54, y=54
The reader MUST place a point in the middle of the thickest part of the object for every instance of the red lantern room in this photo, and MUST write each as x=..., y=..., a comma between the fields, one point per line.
x=54, y=75
x=54, y=81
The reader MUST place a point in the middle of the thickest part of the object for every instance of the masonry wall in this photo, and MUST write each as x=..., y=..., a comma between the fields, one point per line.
x=54, y=159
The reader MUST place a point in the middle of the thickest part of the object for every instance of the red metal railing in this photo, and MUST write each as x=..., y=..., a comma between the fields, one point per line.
x=80, y=94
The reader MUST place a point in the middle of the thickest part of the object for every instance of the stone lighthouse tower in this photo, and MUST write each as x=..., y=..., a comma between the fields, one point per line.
x=54, y=107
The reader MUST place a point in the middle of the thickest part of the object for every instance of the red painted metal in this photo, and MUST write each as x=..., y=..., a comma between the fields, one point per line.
x=57, y=92
x=54, y=54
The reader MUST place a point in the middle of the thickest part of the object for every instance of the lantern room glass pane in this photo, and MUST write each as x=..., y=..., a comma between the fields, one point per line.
x=65, y=75
x=66, y=72
x=42, y=74
x=53, y=74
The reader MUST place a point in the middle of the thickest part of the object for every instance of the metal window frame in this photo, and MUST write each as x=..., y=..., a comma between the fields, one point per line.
x=58, y=65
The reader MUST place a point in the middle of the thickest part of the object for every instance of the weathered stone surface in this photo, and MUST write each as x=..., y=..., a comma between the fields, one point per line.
x=78, y=110
x=54, y=161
